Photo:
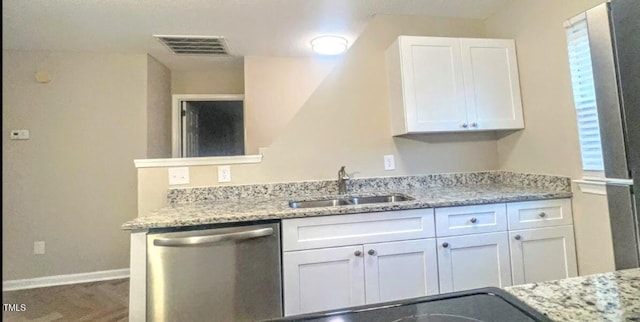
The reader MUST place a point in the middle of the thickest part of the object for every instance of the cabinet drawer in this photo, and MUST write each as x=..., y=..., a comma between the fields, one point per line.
x=343, y=230
x=464, y=220
x=537, y=214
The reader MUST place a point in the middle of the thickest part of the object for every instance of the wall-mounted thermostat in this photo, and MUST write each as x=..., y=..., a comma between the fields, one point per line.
x=19, y=134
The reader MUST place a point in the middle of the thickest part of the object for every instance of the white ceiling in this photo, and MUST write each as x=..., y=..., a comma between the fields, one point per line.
x=252, y=27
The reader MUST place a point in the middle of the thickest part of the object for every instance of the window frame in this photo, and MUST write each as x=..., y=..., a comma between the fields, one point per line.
x=593, y=181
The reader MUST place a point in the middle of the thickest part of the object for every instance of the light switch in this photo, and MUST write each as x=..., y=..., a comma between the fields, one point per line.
x=224, y=173
x=178, y=175
x=19, y=134
x=389, y=162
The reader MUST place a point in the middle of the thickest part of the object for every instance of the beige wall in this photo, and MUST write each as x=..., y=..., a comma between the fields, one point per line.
x=275, y=89
x=158, y=109
x=549, y=143
x=73, y=183
x=345, y=122
x=221, y=77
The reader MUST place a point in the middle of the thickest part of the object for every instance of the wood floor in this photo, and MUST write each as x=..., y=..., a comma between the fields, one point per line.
x=98, y=301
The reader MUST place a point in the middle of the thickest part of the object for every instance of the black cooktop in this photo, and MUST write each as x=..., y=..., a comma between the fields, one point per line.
x=484, y=304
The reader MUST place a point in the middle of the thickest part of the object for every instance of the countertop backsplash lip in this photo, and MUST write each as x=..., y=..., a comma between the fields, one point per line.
x=208, y=205
x=311, y=188
x=256, y=209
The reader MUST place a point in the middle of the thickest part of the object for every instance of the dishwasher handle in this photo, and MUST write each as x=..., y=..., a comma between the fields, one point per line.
x=202, y=240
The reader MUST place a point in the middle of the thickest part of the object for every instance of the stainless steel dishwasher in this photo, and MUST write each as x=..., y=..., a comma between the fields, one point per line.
x=214, y=273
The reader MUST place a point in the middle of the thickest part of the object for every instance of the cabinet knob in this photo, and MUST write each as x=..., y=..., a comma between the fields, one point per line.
x=465, y=125
x=517, y=237
x=474, y=124
x=542, y=215
x=473, y=220
x=371, y=252
x=445, y=244
x=357, y=253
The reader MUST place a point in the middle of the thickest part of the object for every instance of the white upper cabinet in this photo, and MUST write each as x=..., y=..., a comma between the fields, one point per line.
x=453, y=84
x=491, y=83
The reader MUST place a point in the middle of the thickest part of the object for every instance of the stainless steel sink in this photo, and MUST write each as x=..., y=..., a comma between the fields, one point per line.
x=378, y=199
x=345, y=201
x=319, y=203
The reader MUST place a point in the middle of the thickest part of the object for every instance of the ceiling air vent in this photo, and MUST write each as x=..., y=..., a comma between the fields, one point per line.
x=195, y=45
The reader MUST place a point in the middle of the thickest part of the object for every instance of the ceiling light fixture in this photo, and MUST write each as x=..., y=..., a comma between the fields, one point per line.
x=329, y=45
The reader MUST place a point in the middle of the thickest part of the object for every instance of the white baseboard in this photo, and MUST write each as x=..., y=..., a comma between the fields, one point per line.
x=67, y=279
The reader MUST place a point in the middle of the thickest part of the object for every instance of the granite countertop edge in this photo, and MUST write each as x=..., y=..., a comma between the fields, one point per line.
x=212, y=212
x=612, y=296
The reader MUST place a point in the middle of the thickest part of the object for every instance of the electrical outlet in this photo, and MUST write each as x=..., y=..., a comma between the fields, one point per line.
x=389, y=162
x=224, y=173
x=19, y=135
x=178, y=175
x=38, y=247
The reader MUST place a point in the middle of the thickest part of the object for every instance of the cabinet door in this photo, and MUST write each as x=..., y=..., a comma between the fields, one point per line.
x=543, y=254
x=433, y=85
x=472, y=261
x=492, y=84
x=322, y=279
x=400, y=270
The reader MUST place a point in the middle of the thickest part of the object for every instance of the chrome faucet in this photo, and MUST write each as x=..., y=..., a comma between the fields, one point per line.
x=342, y=181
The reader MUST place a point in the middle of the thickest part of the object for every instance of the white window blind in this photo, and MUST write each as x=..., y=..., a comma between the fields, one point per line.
x=584, y=95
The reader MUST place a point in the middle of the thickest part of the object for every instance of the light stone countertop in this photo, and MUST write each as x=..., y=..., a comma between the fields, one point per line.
x=611, y=296
x=254, y=209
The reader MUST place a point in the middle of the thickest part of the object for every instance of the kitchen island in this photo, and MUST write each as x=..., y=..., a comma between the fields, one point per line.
x=613, y=296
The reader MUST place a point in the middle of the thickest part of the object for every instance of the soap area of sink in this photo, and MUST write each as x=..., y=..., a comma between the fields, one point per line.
x=349, y=200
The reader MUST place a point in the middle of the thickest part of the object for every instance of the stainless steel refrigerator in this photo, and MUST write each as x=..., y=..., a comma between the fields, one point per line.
x=614, y=41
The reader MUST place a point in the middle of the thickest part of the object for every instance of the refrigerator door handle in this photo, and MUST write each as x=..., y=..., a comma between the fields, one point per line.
x=618, y=182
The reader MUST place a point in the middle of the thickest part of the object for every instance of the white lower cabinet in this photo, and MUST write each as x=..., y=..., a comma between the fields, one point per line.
x=543, y=254
x=337, y=277
x=400, y=270
x=322, y=279
x=473, y=261
x=334, y=262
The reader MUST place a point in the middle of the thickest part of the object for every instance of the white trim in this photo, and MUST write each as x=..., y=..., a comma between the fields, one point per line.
x=619, y=182
x=596, y=175
x=179, y=162
x=589, y=185
x=138, y=279
x=13, y=285
x=176, y=117
x=572, y=21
